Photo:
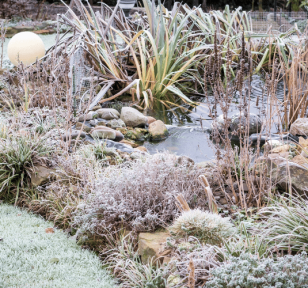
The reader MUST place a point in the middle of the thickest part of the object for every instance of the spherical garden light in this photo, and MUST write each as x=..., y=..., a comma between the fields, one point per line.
x=127, y=5
x=25, y=47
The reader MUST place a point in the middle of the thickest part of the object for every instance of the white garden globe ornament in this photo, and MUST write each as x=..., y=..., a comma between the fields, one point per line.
x=25, y=47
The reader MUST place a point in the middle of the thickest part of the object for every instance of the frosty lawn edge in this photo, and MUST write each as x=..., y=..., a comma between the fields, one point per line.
x=30, y=257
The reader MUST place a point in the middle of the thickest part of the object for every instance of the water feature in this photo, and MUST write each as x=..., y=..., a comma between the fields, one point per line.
x=190, y=135
x=189, y=132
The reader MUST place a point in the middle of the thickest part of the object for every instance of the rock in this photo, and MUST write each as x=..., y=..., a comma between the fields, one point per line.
x=91, y=115
x=185, y=161
x=280, y=149
x=102, y=123
x=116, y=123
x=95, y=108
x=151, y=245
x=138, y=155
x=119, y=136
x=285, y=172
x=300, y=160
x=223, y=201
x=119, y=146
x=135, y=135
x=219, y=123
x=41, y=175
x=80, y=126
x=158, y=130
x=239, y=122
x=108, y=113
x=141, y=148
x=103, y=132
x=132, y=117
x=271, y=144
x=129, y=142
x=93, y=122
x=74, y=135
x=206, y=164
x=299, y=127
x=151, y=119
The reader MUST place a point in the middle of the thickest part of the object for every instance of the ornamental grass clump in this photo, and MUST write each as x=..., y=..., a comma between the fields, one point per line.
x=248, y=271
x=286, y=224
x=208, y=227
x=19, y=153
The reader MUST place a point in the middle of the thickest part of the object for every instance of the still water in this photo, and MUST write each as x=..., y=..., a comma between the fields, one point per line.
x=189, y=132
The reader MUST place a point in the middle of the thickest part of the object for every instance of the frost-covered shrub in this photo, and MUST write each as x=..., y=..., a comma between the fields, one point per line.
x=139, y=196
x=248, y=271
x=208, y=227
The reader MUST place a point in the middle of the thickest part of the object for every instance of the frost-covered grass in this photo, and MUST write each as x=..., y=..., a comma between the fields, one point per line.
x=30, y=257
x=208, y=227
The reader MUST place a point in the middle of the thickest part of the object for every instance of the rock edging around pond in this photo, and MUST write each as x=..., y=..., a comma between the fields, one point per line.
x=125, y=131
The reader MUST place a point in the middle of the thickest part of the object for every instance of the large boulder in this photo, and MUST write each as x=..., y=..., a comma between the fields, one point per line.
x=151, y=245
x=132, y=117
x=158, y=130
x=299, y=127
x=40, y=175
x=108, y=113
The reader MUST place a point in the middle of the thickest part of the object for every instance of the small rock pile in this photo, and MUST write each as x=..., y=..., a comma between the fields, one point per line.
x=125, y=131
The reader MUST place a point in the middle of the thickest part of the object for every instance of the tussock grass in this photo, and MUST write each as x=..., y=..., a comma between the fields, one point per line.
x=30, y=257
x=18, y=155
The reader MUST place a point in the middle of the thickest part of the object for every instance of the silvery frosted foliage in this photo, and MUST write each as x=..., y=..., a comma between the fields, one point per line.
x=139, y=196
x=208, y=227
x=247, y=271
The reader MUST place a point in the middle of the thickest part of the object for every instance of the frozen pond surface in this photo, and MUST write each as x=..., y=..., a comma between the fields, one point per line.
x=188, y=132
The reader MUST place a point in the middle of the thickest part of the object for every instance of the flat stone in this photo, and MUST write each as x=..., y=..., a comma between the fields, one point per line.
x=74, y=135
x=151, y=245
x=103, y=132
x=41, y=175
x=129, y=142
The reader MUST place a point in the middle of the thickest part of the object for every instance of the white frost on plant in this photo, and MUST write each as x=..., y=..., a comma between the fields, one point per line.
x=209, y=227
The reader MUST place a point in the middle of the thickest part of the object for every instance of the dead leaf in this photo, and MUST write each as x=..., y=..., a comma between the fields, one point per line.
x=49, y=230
